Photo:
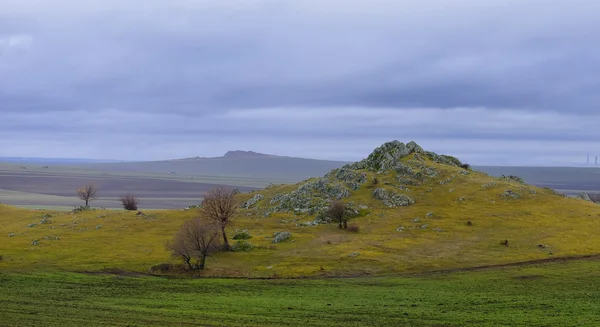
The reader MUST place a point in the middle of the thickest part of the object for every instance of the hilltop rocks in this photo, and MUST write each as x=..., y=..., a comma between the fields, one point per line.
x=386, y=156
x=252, y=201
x=392, y=199
x=584, y=196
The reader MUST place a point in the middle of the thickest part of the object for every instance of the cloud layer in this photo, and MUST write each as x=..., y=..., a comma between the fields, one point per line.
x=494, y=82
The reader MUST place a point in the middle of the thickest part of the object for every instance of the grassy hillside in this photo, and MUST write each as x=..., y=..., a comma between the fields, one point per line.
x=425, y=213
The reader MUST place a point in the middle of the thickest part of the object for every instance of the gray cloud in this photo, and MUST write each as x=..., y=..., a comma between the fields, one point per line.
x=175, y=75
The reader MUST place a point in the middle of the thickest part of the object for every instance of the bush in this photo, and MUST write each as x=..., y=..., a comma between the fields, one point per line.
x=82, y=208
x=242, y=235
x=353, y=228
x=129, y=202
x=465, y=166
x=242, y=246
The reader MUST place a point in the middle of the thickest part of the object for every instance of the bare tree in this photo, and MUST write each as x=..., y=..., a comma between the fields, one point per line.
x=196, y=240
x=337, y=211
x=219, y=205
x=87, y=193
x=130, y=201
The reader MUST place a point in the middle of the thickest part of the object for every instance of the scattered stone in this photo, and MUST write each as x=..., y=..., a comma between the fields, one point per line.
x=437, y=229
x=392, y=199
x=416, y=220
x=400, y=229
x=462, y=198
x=451, y=190
x=424, y=226
x=489, y=185
x=52, y=238
x=510, y=194
x=353, y=254
x=12, y=235
x=35, y=242
x=252, y=201
x=446, y=181
x=429, y=215
x=464, y=172
x=98, y=226
x=279, y=237
x=513, y=178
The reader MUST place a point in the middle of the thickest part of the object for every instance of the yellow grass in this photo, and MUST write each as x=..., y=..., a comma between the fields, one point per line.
x=126, y=241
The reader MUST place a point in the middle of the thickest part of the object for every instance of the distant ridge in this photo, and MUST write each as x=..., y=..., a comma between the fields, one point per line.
x=245, y=154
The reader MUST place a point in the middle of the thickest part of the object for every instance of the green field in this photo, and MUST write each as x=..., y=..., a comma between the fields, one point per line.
x=551, y=294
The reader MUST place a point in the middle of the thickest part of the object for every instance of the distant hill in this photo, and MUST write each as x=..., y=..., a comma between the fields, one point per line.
x=234, y=164
x=54, y=161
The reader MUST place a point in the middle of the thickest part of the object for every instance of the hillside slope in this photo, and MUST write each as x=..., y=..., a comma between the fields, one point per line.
x=417, y=211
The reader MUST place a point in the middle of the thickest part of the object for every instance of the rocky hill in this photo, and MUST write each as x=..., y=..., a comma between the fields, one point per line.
x=411, y=211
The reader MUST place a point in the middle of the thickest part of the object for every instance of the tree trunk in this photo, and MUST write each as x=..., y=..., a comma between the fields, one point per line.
x=87, y=201
x=225, y=241
x=345, y=224
x=187, y=261
x=202, y=262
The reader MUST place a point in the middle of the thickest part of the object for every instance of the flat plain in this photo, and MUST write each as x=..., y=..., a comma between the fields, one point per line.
x=549, y=294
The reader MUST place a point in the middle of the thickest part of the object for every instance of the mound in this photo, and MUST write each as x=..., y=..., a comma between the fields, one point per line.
x=415, y=211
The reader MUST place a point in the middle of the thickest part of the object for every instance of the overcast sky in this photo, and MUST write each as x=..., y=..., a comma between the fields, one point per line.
x=490, y=81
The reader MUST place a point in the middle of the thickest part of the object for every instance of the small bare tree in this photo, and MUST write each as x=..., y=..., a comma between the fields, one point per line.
x=219, y=205
x=87, y=193
x=130, y=201
x=196, y=240
x=337, y=211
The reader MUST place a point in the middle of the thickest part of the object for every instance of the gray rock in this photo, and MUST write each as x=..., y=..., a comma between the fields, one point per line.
x=252, y=201
x=584, y=196
x=510, y=194
x=392, y=199
x=279, y=237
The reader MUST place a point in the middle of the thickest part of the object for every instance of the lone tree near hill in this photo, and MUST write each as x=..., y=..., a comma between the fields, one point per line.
x=337, y=211
x=87, y=193
x=219, y=205
x=129, y=201
x=196, y=240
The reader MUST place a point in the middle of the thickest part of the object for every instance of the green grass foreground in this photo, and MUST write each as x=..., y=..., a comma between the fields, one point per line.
x=551, y=294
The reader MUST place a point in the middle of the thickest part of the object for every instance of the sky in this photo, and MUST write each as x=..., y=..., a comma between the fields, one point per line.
x=494, y=82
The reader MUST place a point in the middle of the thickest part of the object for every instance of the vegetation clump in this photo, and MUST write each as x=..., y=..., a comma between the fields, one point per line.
x=196, y=240
x=242, y=235
x=242, y=246
x=129, y=202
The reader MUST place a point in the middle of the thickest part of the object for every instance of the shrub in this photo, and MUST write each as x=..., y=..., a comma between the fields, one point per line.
x=469, y=223
x=242, y=246
x=375, y=180
x=504, y=242
x=353, y=228
x=82, y=208
x=129, y=202
x=465, y=166
x=242, y=235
